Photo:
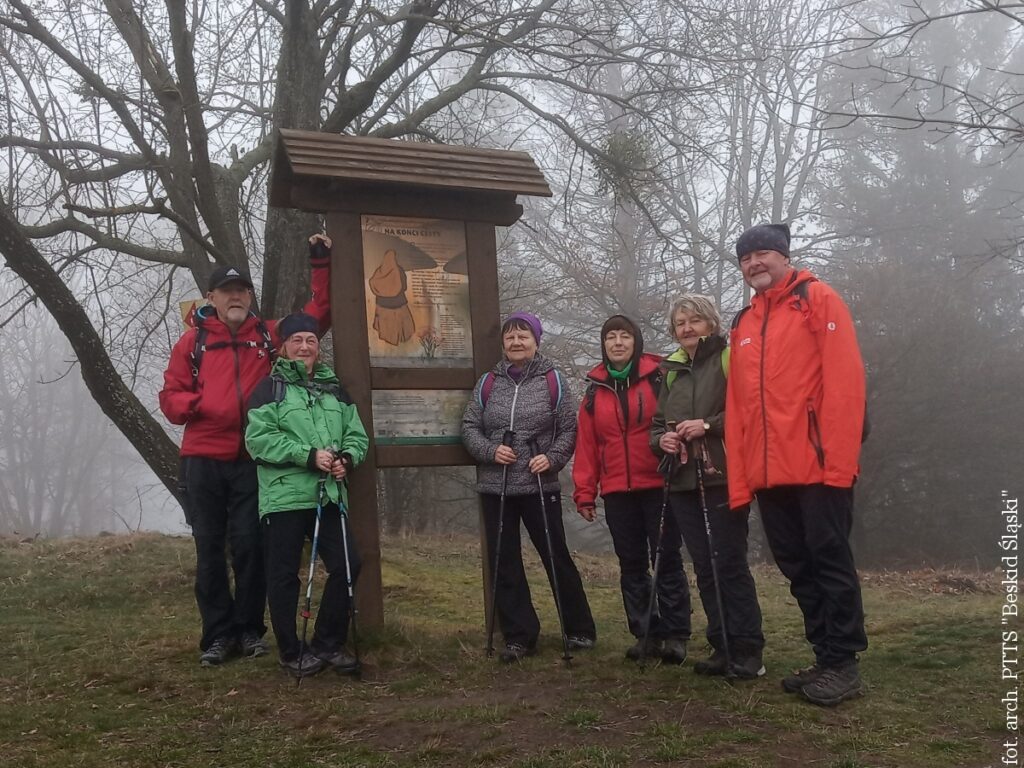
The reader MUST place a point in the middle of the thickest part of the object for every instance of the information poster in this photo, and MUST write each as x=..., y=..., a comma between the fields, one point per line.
x=418, y=416
x=417, y=292
x=188, y=311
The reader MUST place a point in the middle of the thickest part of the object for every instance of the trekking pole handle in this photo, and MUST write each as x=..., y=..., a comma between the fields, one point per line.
x=534, y=448
x=683, y=453
x=670, y=426
x=507, y=438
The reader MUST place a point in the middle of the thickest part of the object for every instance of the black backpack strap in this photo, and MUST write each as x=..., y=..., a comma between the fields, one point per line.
x=279, y=387
x=339, y=394
x=656, y=378
x=196, y=358
x=268, y=339
x=588, y=398
x=736, y=319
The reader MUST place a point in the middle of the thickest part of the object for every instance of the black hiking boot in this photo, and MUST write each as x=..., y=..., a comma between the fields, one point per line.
x=305, y=665
x=253, y=645
x=834, y=685
x=636, y=651
x=222, y=649
x=673, y=650
x=580, y=642
x=713, y=665
x=747, y=666
x=516, y=652
x=796, y=680
x=341, y=661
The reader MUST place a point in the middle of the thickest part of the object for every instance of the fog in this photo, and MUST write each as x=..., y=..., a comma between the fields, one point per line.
x=888, y=138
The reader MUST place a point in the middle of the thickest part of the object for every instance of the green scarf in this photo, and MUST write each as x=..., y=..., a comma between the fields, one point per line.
x=620, y=375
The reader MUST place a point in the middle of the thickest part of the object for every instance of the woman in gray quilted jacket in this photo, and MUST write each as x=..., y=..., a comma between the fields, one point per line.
x=521, y=424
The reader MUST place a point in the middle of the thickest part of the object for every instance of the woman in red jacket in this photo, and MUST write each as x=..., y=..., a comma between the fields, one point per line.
x=613, y=458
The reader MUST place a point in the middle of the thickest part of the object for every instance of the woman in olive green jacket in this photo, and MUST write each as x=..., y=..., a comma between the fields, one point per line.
x=305, y=436
x=693, y=396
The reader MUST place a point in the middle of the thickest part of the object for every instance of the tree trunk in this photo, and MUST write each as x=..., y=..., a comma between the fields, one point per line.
x=105, y=384
x=297, y=105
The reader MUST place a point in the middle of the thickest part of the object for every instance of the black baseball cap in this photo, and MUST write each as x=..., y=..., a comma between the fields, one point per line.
x=223, y=275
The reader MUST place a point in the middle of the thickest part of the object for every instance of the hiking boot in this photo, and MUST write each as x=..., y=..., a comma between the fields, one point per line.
x=310, y=665
x=253, y=645
x=636, y=651
x=580, y=642
x=713, y=665
x=341, y=661
x=673, y=651
x=834, y=685
x=516, y=652
x=220, y=650
x=747, y=666
x=795, y=681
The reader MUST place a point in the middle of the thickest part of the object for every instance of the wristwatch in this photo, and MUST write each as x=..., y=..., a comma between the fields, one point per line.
x=707, y=427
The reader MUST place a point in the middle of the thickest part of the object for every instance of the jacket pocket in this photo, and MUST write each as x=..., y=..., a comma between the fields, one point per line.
x=814, y=434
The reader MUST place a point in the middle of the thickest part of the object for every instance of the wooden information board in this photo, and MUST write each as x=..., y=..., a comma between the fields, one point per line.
x=414, y=293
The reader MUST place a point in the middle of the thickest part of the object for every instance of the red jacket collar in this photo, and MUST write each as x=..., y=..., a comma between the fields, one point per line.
x=648, y=364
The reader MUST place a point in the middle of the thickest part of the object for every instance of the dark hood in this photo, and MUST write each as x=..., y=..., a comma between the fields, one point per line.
x=638, y=342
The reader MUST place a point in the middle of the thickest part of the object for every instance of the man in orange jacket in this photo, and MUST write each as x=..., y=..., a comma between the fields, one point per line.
x=794, y=423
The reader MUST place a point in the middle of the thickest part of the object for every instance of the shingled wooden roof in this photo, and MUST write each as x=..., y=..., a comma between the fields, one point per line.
x=308, y=156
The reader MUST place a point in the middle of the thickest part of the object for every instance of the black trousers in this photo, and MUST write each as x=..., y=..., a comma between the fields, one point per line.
x=739, y=594
x=221, y=499
x=633, y=519
x=516, y=615
x=808, y=530
x=284, y=535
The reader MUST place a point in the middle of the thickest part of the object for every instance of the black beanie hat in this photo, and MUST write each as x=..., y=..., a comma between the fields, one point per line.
x=623, y=323
x=764, y=237
x=297, y=322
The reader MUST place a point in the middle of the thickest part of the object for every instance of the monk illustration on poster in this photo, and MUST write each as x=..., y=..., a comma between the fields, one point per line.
x=417, y=292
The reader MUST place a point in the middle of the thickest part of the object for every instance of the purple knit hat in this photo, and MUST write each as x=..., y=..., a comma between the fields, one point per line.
x=531, y=320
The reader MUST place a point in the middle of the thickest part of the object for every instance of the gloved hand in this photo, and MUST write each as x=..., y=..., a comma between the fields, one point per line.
x=319, y=250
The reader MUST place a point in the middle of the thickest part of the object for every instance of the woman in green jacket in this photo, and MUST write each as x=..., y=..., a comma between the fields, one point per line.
x=305, y=436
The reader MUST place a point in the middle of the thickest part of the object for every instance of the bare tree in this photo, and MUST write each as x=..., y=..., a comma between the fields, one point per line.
x=138, y=136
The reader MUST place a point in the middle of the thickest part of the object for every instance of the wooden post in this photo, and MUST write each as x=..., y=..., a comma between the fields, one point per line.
x=482, y=263
x=352, y=364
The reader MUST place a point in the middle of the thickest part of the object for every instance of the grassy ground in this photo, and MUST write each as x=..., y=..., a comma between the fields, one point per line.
x=100, y=669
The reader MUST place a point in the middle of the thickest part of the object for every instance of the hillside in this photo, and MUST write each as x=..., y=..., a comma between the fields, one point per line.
x=101, y=670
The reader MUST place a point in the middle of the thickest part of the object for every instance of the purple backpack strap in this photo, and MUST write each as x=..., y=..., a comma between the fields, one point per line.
x=554, y=388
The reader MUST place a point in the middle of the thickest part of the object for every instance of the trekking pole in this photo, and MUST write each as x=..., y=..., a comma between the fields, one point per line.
x=506, y=440
x=358, y=671
x=671, y=426
x=309, y=579
x=699, y=463
x=349, y=582
x=566, y=656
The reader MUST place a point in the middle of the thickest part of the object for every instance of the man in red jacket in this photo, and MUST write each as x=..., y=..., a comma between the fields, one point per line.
x=213, y=369
x=794, y=423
